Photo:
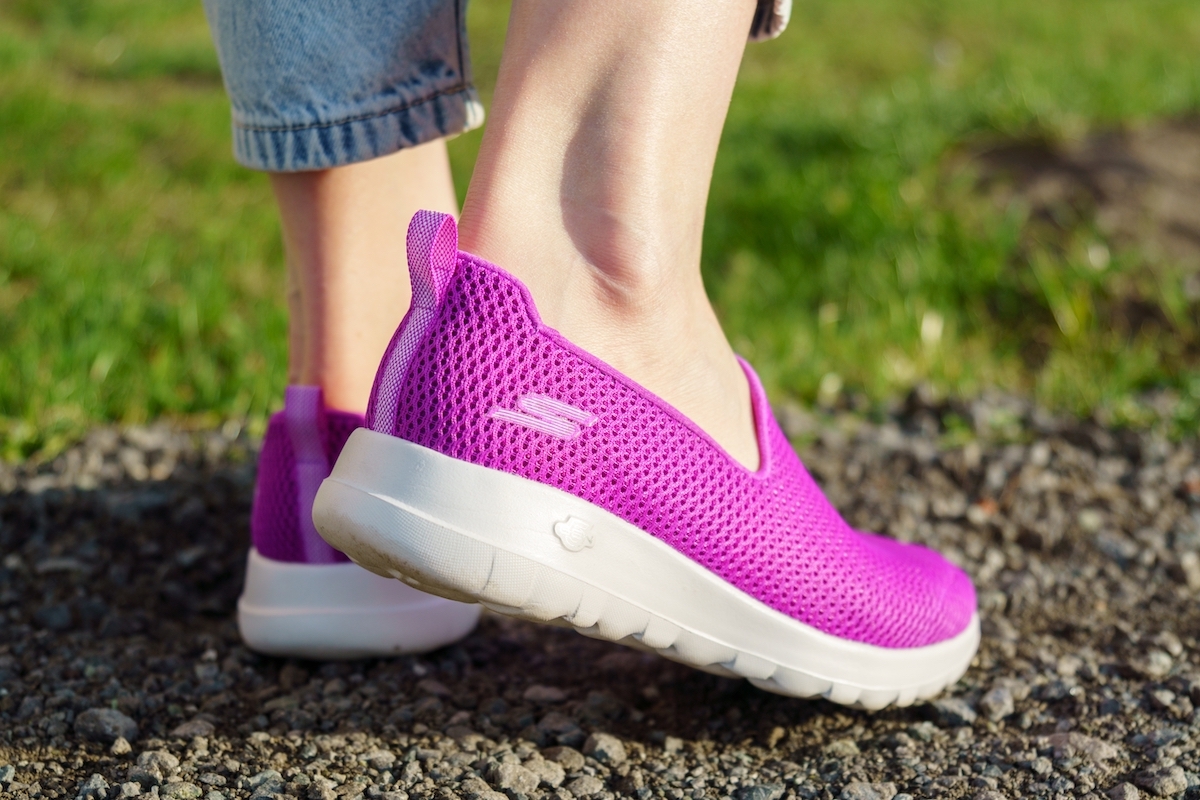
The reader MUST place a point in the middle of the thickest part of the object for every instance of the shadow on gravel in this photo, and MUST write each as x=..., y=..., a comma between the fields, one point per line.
x=1083, y=543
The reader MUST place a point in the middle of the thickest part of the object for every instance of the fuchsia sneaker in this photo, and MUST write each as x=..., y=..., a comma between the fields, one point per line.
x=303, y=598
x=502, y=464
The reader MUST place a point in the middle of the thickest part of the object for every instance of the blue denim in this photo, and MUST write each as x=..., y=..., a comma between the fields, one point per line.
x=316, y=85
x=322, y=84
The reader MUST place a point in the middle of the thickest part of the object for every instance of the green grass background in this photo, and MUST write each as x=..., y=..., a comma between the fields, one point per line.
x=141, y=272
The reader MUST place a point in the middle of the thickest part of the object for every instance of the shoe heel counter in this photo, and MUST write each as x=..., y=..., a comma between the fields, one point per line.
x=295, y=458
x=274, y=528
x=432, y=261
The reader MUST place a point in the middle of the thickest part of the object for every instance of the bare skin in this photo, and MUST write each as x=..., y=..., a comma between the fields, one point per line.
x=591, y=187
x=348, y=287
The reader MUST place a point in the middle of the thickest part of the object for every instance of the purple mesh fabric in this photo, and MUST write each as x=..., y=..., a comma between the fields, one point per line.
x=771, y=533
x=276, y=528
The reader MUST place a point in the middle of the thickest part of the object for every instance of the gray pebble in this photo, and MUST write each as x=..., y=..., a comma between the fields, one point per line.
x=585, y=786
x=180, y=790
x=842, y=748
x=94, y=788
x=264, y=777
x=197, y=727
x=54, y=617
x=548, y=772
x=769, y=791
x=129, y=789
x=105, y=725
x=571, y=759
x=997, y=703
x=868, y=791
x=7, y=772
x=605, y=748
x=513, y=777
x=953, y=712
x=544, y=694
x=1124, y=791
x=1164, y=782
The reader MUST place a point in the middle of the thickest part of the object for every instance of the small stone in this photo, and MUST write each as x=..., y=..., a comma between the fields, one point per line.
x=180, y=790
x=94, y=788
x=548, y=772
x=953, y=712
x=1164, y=782
x=266, y=784
x=571, y=759
x=212, y=779
x=380, y=759
x=263, y=778
x=215, y=795
x=605, y=748
x=55, y=617
x=129, y=789
x=436, y=688
x=585, y=786
x=159, y=760
x=762, y=791
x=1124, y=791
x=1156, y=664
x=7, y=773
x=858, y=790
x=561, y=729
x=997, y=703
x=544, y=694
x=105, y=725
x=474, y=788
x=197, y=727
x=513, y=777
x=1162, y=699
x=842, y=748
x=1071, y=744
x=120, y=747
x=672, y=744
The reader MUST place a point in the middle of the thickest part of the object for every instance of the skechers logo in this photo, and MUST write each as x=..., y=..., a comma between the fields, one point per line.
x=574, y=533
x=547, y=415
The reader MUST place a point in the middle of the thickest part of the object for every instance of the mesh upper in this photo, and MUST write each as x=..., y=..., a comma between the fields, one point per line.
x=274, y=520
x=772, y=534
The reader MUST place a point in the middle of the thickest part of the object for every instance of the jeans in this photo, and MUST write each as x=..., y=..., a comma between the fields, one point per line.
x=323, y=84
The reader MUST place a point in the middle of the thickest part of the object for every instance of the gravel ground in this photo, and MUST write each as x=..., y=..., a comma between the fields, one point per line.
x=121, y=673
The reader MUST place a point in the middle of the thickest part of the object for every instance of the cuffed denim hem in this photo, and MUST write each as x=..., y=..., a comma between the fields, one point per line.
x=323, y=145
x=770, y=18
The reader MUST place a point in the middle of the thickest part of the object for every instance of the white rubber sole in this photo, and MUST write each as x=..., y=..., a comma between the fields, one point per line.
x=335, y=611
x=533, y=551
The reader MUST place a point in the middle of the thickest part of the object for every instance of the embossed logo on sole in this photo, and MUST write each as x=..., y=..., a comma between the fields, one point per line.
x=574, y=533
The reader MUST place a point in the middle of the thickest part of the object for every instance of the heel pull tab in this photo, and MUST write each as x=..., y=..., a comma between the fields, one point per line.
x=432, y=261
x=432, y=256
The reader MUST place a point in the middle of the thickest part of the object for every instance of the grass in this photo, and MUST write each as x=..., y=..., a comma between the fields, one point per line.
x=141, y=271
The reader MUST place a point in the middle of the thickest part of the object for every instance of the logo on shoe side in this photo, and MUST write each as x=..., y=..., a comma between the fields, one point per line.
x=547, y=415
x=574, y=533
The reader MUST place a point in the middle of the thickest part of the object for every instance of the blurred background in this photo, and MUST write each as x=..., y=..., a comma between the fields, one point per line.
x=964, y=197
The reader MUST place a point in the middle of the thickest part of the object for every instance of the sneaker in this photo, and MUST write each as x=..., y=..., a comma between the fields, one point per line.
x=501, y=464
x=303, y=598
